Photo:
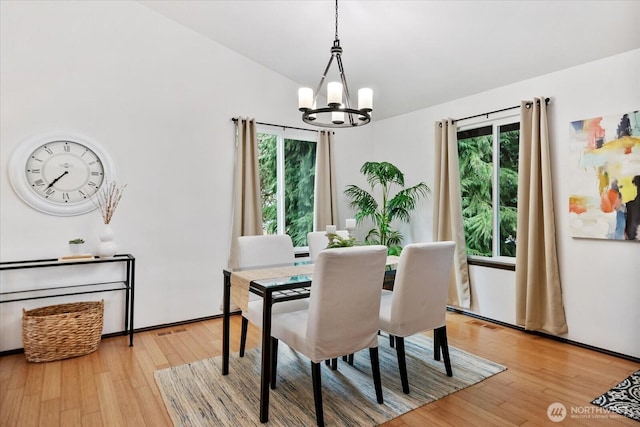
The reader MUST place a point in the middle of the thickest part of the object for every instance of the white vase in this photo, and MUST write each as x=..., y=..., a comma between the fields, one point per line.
x=76, y=248
x=107, y=247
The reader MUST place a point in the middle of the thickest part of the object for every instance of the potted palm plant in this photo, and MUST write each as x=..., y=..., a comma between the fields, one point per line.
x=386, y=176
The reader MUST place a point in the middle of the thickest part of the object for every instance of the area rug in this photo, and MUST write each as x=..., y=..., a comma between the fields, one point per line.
x=196, y=394
x=623, y=399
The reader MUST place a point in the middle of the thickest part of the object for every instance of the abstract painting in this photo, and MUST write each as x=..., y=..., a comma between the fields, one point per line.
x=604, y=201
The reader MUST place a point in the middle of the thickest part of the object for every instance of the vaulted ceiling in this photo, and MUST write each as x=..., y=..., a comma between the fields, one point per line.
x=415, y=54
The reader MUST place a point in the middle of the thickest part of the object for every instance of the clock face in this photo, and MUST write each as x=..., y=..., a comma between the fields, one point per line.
x=64, y=172
x=60, y=175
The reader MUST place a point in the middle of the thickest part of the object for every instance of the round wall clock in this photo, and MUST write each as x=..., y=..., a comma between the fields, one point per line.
x=59, y=175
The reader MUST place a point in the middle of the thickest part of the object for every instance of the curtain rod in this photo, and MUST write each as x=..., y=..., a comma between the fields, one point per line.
x=235, y=120
x=546, y=101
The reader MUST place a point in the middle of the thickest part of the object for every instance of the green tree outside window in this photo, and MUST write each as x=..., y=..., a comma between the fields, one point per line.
x=296, y=177
x=481, y=196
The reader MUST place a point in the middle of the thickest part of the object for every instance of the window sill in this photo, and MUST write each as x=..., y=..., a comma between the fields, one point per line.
x=301, y=251
x=492, y=263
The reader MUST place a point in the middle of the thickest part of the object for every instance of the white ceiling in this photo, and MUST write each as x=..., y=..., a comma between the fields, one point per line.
x=415, y=54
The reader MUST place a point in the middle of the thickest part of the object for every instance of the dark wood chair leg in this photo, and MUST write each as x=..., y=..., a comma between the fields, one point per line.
x=317, y=393
x=444, y=344
x=334, y=363
x=243, y=335
x=350, y=359
x=402, y=364
x=391, y=342
x=375, y=368
x=274, y=361
x=327, y=362
x=436, y=345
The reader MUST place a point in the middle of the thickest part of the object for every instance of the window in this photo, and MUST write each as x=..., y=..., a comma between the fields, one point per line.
x=488, y=157
x=287, y=164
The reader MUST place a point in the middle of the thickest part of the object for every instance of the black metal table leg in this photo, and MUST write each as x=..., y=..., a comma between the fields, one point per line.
x=226, y=307
x=133, y=291
x=265, y=369
x=127, y=301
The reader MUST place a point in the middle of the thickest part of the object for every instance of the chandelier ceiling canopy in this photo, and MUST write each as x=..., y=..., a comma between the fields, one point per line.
x=339, y=112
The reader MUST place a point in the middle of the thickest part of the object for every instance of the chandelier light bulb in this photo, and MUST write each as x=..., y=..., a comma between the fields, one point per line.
x=365, y=99
x=337, y=117
x=305, y=98
x=334, y=94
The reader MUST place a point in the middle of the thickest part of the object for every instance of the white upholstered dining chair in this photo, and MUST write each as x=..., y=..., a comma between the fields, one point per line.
x=342, y=317
x=265, y=250
x=318, y=241
x=419, y=300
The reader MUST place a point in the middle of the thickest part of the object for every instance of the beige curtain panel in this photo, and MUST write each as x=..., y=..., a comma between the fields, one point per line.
x=538, y=292
x=246, y=219
x=325, y=208
x=447, y=210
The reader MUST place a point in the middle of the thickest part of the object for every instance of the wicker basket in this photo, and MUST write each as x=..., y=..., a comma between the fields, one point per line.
x=62, y=331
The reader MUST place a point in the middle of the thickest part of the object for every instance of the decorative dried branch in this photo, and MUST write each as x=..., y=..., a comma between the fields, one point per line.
x=107, y=199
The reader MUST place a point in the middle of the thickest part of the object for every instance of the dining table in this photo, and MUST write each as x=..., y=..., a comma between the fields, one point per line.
x=275, y=284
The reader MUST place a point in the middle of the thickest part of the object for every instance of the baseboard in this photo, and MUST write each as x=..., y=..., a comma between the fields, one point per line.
x=451, y=309
x=184, y=322
x=119, y=334
x=547, y=335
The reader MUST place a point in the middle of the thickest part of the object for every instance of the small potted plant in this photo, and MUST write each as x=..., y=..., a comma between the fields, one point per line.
x=336, y=241
x=76, y=246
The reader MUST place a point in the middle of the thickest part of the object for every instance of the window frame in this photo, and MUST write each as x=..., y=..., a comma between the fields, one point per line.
x=496, y=261
x=282, y=133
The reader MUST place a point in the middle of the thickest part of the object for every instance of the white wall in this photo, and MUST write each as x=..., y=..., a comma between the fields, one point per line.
x=600, y=279
x=160, y=99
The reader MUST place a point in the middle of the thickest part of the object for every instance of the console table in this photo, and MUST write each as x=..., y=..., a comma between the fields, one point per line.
x=126, y=284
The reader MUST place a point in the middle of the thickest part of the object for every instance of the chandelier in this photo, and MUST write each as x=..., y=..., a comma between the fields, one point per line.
x=339, y=112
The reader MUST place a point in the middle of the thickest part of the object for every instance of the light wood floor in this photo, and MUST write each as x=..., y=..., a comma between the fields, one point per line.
x=114, y=386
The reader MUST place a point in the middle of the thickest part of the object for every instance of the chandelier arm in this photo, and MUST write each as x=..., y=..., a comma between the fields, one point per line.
x=345, y=88
x=324, y=75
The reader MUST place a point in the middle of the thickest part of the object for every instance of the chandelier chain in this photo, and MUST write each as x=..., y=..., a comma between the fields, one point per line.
x=336, y=19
